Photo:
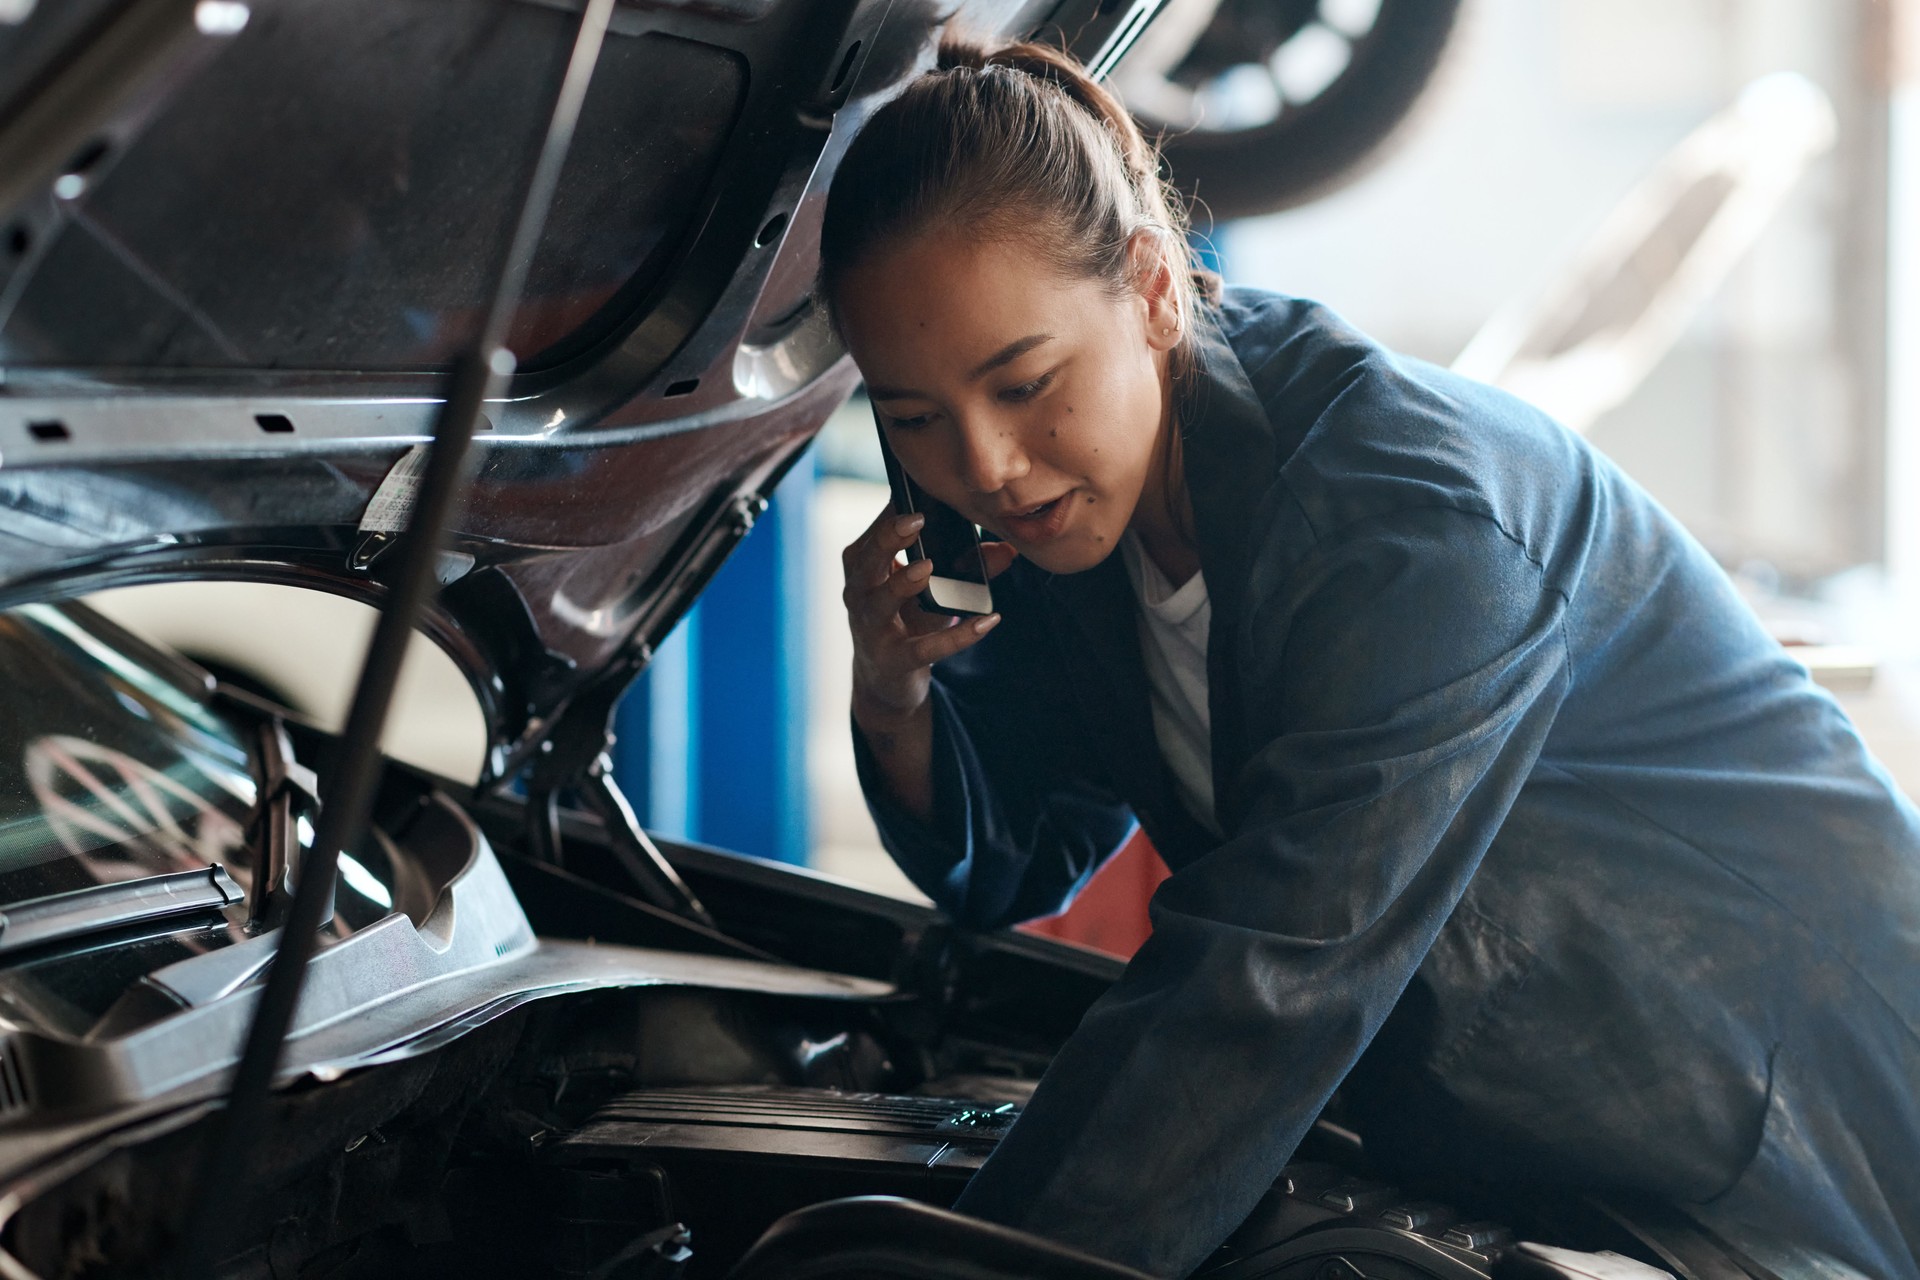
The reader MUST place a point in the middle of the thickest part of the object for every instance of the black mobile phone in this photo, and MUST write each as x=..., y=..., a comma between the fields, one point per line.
x=959, y=583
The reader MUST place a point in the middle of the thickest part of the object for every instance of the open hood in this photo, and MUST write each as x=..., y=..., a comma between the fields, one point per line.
x=240, y=243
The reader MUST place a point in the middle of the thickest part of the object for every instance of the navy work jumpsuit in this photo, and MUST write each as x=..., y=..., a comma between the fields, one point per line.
x=1511, y=781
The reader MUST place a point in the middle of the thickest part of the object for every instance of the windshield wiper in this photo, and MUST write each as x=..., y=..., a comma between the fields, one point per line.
x=59, y=916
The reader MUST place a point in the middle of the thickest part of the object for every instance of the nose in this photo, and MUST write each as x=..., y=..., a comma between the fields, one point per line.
x=991, y=454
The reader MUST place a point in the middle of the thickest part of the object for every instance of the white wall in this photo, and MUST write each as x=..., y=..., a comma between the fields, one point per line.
x=1549, y=112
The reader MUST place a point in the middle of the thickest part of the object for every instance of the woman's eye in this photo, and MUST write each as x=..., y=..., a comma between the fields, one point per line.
x=1027, y=390
x=908, y=424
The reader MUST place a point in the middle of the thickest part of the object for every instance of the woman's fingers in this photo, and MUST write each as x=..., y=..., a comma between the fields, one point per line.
x=913, y=571
x=856, y=552
x=868, y=558
x=906, y=582
x=895, y=641
x=964, y=634
x=884, y=609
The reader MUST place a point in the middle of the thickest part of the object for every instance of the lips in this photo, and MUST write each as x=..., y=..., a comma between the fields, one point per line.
x=1040, y=522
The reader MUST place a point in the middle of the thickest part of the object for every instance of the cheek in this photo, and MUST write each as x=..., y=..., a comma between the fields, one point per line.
x=933, y=461
x=922, y=460
x=1111, y=428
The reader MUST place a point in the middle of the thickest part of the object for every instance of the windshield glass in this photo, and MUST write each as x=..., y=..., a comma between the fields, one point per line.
x=107, y=771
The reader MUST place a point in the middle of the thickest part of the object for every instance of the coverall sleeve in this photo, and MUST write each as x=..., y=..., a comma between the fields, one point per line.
x=1401, y=679
x=1022, y=818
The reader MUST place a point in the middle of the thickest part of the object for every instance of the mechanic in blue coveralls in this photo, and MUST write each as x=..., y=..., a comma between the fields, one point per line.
x=1483, y=792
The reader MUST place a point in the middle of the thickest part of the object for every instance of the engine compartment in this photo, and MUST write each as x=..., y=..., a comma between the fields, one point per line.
x=551, y=1142
x=538, y=1145
x=657, y=1132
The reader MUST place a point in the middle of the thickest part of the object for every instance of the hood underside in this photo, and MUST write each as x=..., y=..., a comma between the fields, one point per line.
x=239, y=246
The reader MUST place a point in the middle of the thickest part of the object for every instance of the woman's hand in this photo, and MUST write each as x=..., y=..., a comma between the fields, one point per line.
x=895, y=644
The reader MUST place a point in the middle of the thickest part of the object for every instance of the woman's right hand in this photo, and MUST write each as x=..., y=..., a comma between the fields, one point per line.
x=895, y=641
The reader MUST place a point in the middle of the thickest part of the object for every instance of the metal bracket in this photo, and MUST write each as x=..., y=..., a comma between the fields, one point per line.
x=1101, y=40
x=653, y=876
x=572, y=755
x=565, y=745
x=287, y=789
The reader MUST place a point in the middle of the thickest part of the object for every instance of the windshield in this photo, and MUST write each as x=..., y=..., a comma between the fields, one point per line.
x=108, y=772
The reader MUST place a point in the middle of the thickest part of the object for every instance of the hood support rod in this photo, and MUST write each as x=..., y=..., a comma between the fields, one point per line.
x=480, y=373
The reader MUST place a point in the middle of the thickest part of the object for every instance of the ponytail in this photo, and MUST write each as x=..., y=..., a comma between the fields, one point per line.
x=1013, y=142
x=1058, y=68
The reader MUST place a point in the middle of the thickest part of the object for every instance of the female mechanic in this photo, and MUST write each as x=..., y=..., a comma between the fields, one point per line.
x=1486, y=798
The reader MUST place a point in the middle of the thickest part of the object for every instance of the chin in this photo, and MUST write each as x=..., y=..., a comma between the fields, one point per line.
x=1078, y=556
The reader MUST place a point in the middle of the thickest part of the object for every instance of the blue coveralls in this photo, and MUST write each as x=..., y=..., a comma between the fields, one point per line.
x=1506, y=768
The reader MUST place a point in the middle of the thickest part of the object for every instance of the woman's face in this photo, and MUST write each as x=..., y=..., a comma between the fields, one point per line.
x=1031, y=403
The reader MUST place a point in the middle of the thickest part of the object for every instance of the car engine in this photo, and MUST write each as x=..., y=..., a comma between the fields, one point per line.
x=641, y=1135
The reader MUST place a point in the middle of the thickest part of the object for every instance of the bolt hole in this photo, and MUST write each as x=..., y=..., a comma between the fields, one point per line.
x=771, y=232
x=846, y=68
x=683, y=387
x=87, y=157
x=277, y=423
x=19, y=240
x=50, y=429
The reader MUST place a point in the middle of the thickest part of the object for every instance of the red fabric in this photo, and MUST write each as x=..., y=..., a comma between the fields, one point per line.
x=1111, y=912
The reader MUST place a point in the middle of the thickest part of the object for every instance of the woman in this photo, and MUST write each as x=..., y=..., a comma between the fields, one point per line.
x=1486, y=799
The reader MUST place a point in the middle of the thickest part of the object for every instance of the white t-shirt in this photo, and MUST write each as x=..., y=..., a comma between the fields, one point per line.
x=1173, y=646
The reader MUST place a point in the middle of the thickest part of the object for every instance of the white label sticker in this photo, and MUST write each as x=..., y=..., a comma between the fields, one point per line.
x=392, y=502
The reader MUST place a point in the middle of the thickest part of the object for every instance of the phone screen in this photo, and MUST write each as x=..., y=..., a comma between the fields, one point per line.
x=948, y=539
x=951, y=542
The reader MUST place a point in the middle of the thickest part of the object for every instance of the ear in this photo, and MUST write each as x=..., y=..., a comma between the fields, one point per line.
x=1153, y=275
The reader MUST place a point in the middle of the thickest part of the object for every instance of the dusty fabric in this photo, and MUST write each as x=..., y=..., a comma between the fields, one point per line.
x=1516, y=792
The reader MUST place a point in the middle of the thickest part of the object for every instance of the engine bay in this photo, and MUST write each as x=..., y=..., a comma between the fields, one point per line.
x=820, y=1056
x=661, y=1133
x=550, y=1142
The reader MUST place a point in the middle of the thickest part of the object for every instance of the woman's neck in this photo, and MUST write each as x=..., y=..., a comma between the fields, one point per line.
x=1163, y=518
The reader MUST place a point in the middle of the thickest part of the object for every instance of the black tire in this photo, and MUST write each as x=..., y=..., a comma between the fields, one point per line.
x=1320, y=145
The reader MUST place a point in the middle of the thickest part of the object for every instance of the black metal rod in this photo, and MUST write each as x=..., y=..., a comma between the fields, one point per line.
x=479, y=374
x=129, y=55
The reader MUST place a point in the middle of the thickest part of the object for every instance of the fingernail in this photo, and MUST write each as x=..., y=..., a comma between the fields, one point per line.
x=986, y=624
x=920, y=569
x=908, y=524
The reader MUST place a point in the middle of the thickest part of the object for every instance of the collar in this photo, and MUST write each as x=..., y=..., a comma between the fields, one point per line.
x=1230, y=455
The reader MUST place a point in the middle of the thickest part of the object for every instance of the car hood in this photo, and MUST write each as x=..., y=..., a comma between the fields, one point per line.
x=239, y=246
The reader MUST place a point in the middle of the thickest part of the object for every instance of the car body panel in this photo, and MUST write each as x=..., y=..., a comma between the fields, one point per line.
x=264, y=374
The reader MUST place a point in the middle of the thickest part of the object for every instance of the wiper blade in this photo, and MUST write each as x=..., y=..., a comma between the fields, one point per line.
x=59, y=916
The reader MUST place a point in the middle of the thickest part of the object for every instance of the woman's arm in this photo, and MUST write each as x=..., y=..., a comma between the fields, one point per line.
x=900, y=749
x=977, y=777
x=895, y=644
x=1019, y=816
x=1407, y=675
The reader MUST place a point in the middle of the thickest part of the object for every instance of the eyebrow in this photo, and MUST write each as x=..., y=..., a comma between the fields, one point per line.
x=1004, y=356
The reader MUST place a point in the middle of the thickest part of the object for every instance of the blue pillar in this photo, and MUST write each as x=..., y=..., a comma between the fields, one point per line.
x=657, y=736
x=712, y=739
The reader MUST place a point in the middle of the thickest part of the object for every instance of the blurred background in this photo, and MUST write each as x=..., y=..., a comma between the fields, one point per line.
x=1689, y=227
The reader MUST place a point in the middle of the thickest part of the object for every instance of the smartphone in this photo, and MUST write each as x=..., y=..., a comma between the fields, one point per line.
x=958, y=586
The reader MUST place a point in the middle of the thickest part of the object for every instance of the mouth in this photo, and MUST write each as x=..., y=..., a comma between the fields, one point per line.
x=1039, y=522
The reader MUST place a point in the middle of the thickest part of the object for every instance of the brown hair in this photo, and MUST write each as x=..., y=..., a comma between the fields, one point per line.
x=1012, y=143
